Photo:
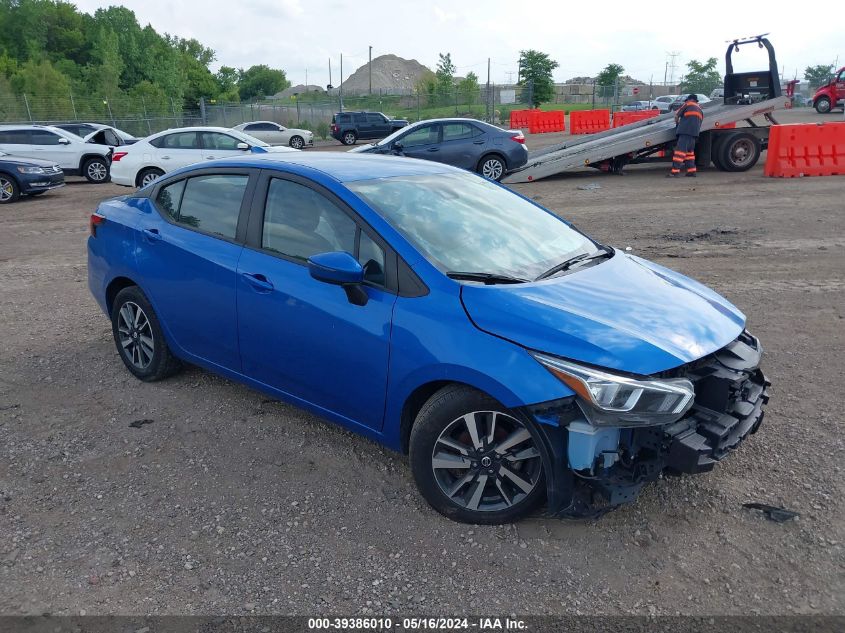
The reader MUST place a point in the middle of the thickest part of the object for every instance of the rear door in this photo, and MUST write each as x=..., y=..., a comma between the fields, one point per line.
x=365, y=126
x=422, y=142
x=16, y=143
x=462, y=145
x=187, y=251
x=267, y=132
x=302, y=336
x=176, y=150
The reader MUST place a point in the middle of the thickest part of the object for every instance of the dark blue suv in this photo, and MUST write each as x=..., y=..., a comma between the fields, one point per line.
x=514, y=358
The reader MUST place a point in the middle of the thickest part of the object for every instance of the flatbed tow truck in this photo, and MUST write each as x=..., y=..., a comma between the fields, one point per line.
x=746, y=95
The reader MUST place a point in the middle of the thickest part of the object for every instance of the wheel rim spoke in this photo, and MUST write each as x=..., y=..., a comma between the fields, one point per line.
x=525, y=486
x=454, y=445
x=472, y=427
x=460, y=483
x=517, y=437
x=526, y=453
x=448, y=460
x=477, y=492
x=508, y=500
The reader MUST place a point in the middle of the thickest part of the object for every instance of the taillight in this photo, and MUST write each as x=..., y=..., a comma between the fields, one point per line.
x=519, y=137
x=94, y=221
x=117, y=156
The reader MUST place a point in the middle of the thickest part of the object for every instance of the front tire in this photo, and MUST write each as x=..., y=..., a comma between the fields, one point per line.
x=349, y=138
x=96, y=170
x=296, y=142
x=491, y=167
x=823, y=105
x=473, y=460
x=9, y=189
x=139, y=338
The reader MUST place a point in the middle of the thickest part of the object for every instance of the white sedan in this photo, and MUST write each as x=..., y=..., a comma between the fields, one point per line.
x=276, y=134
x=139, y=164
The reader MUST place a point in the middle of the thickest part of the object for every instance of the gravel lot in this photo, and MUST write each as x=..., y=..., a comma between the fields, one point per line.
x=198, y=495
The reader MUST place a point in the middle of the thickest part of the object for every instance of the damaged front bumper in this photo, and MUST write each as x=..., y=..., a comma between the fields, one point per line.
x=730, y=393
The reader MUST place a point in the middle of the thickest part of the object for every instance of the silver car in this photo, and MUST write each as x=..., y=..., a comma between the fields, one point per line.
x=275, y=134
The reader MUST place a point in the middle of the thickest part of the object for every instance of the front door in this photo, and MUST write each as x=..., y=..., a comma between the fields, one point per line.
x=302, y=336
x=422, y=142
x=840, y=87
x=48, y=145
x=462, y=145
x=187, y=252
x=219, y=145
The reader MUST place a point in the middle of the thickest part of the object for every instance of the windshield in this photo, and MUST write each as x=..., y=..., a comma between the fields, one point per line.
x=462, y=222
x=387, y=140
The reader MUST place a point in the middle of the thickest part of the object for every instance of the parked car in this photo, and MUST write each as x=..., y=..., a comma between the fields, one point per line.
x=717, y=93
x=98, y=133
x=664, y=102
x=27, y=176
x=275, y=134
x=432, y=310
x=140, y=164
x=832, y=94
x=349, y=127
x=637, y=106
x=681, y=99
x=44, y=142
x=466, y=143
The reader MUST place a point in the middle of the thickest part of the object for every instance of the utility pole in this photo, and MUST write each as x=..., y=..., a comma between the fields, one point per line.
x=487, y=109
x=330, y=74
x=371, y=70
x=340, y=85
x=306, y=80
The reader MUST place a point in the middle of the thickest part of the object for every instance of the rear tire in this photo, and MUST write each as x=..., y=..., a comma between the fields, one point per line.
x=739, y=152
x=148, y=176
x=138, y=337
x=9, y=189
x=475, y=461
x=823, y=105
x=96, y=170
x=296, y=142
x=349, y=138
x=492, y=167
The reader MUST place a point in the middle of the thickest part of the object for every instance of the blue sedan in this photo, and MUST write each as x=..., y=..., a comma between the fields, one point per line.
x=515, y=359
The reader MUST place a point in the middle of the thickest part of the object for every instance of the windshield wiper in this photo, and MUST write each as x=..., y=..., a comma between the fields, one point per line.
x=487, y=278
x=569, y=263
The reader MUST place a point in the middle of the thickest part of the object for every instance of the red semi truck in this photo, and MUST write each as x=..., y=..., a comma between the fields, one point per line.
x=832, y=93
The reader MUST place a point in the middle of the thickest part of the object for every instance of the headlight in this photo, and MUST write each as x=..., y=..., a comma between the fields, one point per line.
x=30, y=170
x=612, y=400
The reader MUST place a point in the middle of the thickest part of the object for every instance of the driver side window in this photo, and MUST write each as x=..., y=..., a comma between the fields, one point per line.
x=425, y=135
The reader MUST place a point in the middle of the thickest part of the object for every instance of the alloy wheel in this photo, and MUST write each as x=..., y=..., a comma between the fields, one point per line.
x=296, y=142
x=486, y=461
x=7, y=190
x=148, y=178
x=136, y=335
x=97, y=171
x=492, y=169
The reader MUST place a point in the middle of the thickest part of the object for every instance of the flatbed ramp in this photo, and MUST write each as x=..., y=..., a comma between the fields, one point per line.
x=637, y=138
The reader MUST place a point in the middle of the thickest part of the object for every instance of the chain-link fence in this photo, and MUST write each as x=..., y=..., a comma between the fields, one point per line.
x=142, y=116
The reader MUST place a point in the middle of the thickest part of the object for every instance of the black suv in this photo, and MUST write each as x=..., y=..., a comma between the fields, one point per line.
x=348, y=127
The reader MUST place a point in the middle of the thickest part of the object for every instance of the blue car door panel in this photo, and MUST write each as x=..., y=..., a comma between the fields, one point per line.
x=301, y=336
x=187, y=256
x=423, y=142
x=462, y=145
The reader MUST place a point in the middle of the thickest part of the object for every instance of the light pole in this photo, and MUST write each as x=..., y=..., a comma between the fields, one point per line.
x=371, y=70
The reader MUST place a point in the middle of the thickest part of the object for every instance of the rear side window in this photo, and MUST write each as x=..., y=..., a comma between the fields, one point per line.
x=457, y=131
x=14, y=137
x=375, y=118
x=211, y=203
x=261, y=127
x=43, y=137
x=180, y=140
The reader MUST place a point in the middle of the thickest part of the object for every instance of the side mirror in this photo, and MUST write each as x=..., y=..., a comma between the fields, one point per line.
x=243, y=146
x=64, y=141
x=398, y=146
x=340, y=269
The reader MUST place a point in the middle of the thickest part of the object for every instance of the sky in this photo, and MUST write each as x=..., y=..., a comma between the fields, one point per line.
x=582, y=36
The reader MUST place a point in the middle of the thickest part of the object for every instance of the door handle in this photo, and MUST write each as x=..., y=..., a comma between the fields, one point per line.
x=210, y=157
x=152, y=235
x=479, y=142
x=258, y=281
x=165, y=158
x=433, y=149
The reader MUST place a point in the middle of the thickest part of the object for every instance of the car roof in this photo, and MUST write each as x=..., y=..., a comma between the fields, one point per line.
x=340, y=166
x=177, y=130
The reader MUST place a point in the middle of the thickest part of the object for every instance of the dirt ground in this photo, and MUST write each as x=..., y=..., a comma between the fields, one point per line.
x=199, y=495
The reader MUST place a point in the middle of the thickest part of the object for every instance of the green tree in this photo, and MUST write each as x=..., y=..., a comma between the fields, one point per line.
x=445, y=78
x=105, y=75
x=608, y=80
x=40, y=79
x=227, y=84
x=701, y=78
x=818, y=75
x=468, y=88
x=535, y=73
x=261, y=81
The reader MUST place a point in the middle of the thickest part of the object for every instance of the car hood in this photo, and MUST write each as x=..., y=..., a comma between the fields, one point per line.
x=624, y=313
x=19, y=160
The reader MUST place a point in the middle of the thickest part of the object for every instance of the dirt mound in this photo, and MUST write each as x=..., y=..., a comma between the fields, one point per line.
x=391, y=75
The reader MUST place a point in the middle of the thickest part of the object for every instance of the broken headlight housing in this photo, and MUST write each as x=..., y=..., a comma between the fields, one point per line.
x=609, y=399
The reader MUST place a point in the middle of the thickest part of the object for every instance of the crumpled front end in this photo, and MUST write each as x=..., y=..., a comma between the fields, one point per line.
x=730, y=393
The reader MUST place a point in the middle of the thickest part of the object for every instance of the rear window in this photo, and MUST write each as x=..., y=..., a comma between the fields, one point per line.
x=180, y=140
x=14, y=137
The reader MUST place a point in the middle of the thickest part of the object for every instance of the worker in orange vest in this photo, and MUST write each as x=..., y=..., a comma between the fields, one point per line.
x=688, y=120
